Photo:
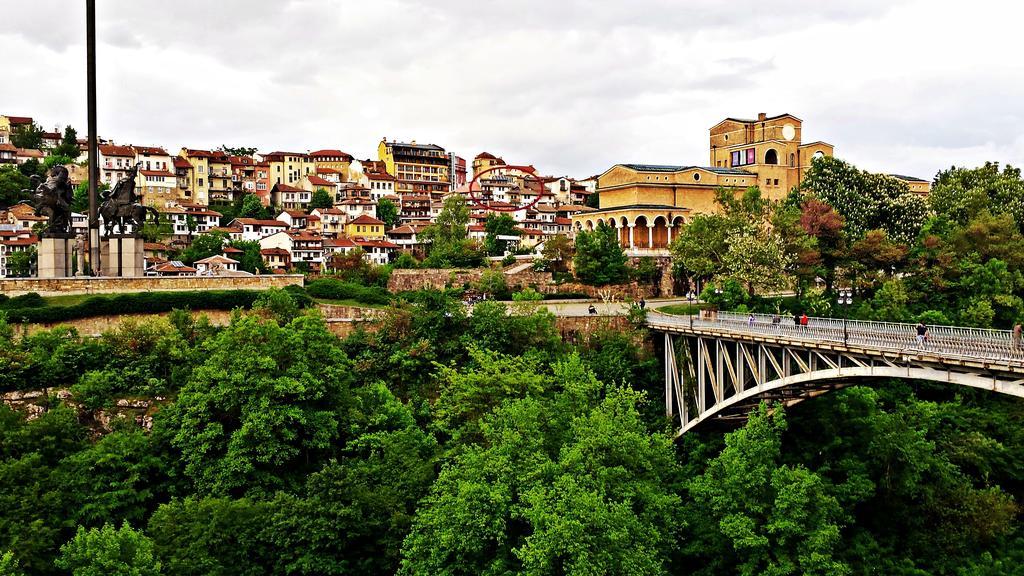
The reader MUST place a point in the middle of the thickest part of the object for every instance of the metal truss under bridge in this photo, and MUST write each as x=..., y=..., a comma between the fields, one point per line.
x=719, y=366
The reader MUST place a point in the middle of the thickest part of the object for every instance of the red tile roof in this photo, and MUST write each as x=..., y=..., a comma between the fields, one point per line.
x=112, y=150
x=256, y=222
x=157, y=173
x=274, y=252
x=168, y=267
x=16, y=120
x=295, y=213
x=330, y=154
x=376, y=244
x=286, y=188
x=198, y=153
x=379, y=176
x=366, y=219
x=8, y=147
x=326, y=170
x=318, y=181
x=338, y=243
x=280, y=153
x=180, y=162
x=152, y=150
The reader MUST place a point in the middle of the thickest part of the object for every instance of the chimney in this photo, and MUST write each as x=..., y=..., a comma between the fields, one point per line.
x=761, y=116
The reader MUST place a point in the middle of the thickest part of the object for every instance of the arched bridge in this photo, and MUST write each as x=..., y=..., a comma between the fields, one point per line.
x=718, y=366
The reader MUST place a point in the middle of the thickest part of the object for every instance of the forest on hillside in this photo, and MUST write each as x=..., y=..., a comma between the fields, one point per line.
x=480, y=443
x=449, y=441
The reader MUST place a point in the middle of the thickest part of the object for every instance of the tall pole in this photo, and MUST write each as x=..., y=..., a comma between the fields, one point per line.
x=94, y=168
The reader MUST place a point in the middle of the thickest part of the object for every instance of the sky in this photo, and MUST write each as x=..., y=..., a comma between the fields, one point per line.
x=570, y=86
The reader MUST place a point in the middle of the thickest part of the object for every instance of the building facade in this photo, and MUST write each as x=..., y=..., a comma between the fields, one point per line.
x=419, y=169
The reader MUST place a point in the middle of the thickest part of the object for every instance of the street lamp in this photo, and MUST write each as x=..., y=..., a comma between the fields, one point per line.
x=689, y=308
x=845, y=299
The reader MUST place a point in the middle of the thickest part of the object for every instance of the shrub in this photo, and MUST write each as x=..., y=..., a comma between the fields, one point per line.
x=137, y=303
x=334, y=289
x=30, y=300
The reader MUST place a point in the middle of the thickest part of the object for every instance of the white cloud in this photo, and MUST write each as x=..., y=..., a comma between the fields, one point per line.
x=571, y=86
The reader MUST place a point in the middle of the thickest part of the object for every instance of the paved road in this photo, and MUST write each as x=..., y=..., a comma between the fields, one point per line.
x=603, y=309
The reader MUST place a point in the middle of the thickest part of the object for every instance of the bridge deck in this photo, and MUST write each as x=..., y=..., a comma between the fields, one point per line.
x=949, y=344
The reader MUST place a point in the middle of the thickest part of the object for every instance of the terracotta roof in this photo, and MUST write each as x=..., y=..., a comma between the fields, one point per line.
x=399, y=230
x=8, y=147
x=485, y=156
x=257, y=222
x=326, y=170
x=180, y=162
x=333, y=211
x=295, y=213
x=217, y=259
x=373, y=175
x=16, y=120
x=338, y=243
x=274, y=252
x=198, y=153
x=20, y=241
x=169, y=267
x=318, y=181
x=286, y=188
x=280, y=153
x=232, y=250
x=112, y=150
x=153, y=150
x=155, y=247
x=30, y=153
x=357, y=201
x=376, y=243
x=51, y=135
x=366, y=219
x=329, y=154
x=157, y=173
x=411, y=198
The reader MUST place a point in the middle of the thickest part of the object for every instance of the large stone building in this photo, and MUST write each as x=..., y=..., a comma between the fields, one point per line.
x=647, y=203
x=419, y=169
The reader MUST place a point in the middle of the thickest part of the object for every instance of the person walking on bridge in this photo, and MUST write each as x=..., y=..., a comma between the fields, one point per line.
x=922, y=334
x=1016, y=336
x=804, y=321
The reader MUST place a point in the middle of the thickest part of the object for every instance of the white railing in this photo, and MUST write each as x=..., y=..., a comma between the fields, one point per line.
x=941, y=340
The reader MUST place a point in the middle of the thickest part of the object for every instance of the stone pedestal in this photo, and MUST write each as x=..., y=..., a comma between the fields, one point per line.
x=54, y=257
x=122, y=255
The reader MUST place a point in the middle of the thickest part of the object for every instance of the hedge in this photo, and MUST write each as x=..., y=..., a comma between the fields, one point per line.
x=137, y=303
x=334, y=289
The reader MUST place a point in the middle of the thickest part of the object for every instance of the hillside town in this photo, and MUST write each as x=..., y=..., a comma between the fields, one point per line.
x=304, y=208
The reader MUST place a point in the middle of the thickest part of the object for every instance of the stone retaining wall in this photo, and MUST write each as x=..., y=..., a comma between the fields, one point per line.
x=104, y=285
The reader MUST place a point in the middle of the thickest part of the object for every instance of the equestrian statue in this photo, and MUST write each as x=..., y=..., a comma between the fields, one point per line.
x=121, y=206
x=52, y=199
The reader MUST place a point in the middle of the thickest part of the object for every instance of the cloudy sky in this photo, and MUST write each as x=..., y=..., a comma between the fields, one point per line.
x=572, y=86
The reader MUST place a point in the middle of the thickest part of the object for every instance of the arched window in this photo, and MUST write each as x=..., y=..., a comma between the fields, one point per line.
x=771, y=156
x=792, y=160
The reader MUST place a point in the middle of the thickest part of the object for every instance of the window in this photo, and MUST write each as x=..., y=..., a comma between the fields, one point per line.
x=771, y=156
x=776, y=181
x=200, y=182
x=202, y=169
x=792, y=160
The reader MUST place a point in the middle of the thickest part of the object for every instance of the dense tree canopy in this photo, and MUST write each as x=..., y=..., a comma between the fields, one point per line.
x=599, y=258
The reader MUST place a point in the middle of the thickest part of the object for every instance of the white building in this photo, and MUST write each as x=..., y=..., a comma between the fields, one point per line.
x=253, y=229
x=115, y=161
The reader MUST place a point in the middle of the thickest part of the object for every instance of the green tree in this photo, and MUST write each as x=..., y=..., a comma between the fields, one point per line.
x=387, y=212
x=266, y=405
x=758, y=260
x=558, y=250
x=321, y=199
x=593, y=201
x=447, y=237
x=21, y=262
x=251, y=260
x=68, y=146
x=12, y=186
x=32, y=167
x=492, y=282
x=599, y=259
x=699, y=248
x=109, y=551
x=204, y=246
x=960, y=194
x=28, y=136
x=498, y=225
x=237, y=151
x=80, y=203
x=772, y=518
x=56, y=160
x=9, y=565
x=252, y=207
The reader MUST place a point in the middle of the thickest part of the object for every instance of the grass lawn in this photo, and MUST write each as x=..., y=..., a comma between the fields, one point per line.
x=681, y=309
x=68, y=299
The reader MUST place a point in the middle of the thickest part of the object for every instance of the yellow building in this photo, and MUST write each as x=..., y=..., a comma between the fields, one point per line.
x=331, y=159
x=647, y=203
x=366, y=227
x=221, y=178
x=288, y=167
x=199, y=176
x=419, y=169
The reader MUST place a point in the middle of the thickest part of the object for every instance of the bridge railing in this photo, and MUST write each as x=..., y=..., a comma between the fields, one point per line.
x=944, y=340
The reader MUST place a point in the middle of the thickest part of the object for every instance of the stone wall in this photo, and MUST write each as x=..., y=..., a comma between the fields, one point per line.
x=34, y=403
x=574, y=329
x=105, y=285
x=96, y=325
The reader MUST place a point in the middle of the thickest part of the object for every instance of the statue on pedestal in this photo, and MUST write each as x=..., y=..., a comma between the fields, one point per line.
x=121, y=206
x=53, y=199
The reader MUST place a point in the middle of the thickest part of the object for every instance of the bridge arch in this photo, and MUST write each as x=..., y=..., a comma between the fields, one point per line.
x=719, y=367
